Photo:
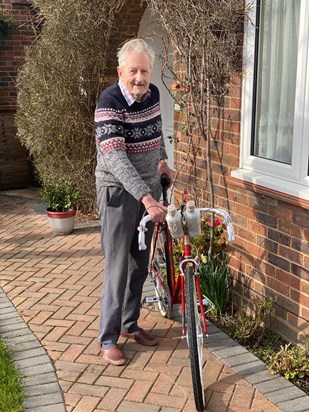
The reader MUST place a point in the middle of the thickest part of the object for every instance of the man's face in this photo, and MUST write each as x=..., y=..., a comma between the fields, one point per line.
x=136, y=74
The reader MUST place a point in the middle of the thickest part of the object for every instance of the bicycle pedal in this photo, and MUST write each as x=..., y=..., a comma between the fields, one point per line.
x=149, y=299
x=205, y=302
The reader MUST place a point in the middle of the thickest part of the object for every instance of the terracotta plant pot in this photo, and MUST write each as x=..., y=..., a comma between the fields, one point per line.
x=61, y=223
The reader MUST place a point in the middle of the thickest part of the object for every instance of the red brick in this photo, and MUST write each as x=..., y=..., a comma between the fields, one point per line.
x=87, y=403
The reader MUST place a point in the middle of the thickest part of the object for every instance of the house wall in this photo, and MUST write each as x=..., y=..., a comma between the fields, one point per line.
x=270, y=256
x=15, y=168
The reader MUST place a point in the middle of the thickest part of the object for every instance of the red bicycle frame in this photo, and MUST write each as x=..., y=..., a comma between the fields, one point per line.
x=176, y=283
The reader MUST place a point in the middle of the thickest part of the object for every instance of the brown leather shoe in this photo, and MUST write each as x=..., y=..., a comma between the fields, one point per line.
x=114, y=356
x=142, y=338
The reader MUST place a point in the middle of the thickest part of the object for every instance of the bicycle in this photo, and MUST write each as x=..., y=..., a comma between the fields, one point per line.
x=181, y=287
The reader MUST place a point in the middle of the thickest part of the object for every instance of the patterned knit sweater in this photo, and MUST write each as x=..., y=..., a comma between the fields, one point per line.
x=129, y=142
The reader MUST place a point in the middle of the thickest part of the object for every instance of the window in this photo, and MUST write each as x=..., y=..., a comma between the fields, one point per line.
x=275, y=101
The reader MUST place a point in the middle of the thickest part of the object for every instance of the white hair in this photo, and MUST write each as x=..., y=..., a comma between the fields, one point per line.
x=137, y=45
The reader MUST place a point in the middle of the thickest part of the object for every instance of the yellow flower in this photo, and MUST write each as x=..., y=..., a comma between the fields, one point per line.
x=203, y=258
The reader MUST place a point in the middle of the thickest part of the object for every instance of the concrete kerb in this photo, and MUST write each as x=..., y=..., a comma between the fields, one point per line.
x=40, y=383
x=281, y=392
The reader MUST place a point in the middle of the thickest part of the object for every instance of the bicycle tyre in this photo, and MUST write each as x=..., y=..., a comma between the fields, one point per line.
x=195, y=339
x=161, y=272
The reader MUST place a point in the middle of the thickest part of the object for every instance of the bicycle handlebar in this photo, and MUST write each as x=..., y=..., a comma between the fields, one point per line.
x=142, y=229
x=227, y=220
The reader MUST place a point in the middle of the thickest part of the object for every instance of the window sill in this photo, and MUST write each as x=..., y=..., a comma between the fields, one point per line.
x=282, y=189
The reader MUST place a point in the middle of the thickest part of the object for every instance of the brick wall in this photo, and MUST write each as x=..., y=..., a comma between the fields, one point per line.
x=127, y=25
x=12, y=52
x=15, y=168
x=270, y=257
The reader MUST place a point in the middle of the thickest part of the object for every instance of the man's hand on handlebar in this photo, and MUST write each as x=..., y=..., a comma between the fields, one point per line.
x=155, y=209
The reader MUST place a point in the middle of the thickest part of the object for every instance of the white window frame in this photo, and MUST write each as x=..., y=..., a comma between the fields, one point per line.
x=288, y=179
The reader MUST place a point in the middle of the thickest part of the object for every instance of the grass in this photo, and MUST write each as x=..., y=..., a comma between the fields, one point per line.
x=11, y=393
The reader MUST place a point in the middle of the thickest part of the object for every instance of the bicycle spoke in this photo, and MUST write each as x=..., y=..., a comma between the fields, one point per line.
x=195, y=338
x=160, y=272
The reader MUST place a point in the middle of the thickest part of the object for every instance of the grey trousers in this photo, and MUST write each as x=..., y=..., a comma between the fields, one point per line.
x=125, y=269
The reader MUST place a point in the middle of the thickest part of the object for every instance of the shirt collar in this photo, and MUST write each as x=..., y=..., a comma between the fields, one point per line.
x=128, y=96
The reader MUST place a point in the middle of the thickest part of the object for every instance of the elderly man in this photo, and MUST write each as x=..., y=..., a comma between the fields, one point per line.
x=130, y=158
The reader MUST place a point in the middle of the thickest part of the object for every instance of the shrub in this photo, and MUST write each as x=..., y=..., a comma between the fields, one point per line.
x=60, y=197
x=58, y=88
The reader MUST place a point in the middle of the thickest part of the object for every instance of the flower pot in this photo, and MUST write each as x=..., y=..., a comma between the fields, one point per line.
x=61, y=223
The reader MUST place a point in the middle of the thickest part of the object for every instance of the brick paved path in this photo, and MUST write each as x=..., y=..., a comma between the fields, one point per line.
x=55, y=281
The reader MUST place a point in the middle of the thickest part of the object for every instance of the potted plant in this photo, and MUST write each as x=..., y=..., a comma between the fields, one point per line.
x=61, y=200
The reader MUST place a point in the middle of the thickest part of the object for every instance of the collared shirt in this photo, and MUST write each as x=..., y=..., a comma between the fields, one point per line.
x=128, y=96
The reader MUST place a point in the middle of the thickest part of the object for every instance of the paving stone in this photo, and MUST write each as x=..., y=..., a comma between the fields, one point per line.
x=36, y=361
x=286, y=394
x=229, y=351
x=299, y=405
x=241, y=359
x=59, y=407
x=42, y=389
x=43, y=400
x=274, y=385
x=37, y=369
x=28, y=354
x=250, y=368
x=36, y=380
x=259, y=377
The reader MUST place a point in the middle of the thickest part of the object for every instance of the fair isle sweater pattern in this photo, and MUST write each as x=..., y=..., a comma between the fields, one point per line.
x=129, y=142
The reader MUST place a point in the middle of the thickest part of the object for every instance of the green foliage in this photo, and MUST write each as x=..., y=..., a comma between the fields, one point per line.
x=214, y=280
x=61, y=196
x=251, y=325
x=5, y=25
x=202, y=243
x=291, y=362
x=11, y=394
x=280, y=357
x=58, y=88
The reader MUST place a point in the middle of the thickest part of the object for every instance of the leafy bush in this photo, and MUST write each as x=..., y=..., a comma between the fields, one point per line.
x=60, y=197
x=248, y=324
x=251, y=325
x=58, y=88
x=290, y=361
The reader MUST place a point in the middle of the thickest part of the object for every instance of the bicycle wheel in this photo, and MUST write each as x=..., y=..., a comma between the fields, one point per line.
x=161, y=271
x=195, y=338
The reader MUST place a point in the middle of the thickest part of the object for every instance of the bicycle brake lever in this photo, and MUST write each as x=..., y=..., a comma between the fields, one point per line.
x=142, y=229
